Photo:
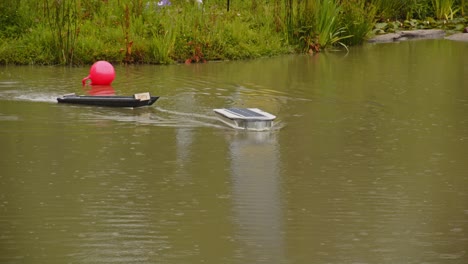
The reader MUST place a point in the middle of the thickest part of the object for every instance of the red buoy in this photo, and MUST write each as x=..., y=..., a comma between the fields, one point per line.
x=101, y=73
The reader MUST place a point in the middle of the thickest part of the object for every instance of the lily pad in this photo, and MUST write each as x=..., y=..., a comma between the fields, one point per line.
x=459, y=27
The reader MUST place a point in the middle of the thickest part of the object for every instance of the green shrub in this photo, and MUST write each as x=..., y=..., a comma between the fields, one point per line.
x=358, y=20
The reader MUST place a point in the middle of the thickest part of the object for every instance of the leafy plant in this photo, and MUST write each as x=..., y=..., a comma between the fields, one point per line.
x=390, y=9
x=161, y=45
x=64, y=19
x=358, y=20
x=329, y=32
x=444, y=9
x=419, y=9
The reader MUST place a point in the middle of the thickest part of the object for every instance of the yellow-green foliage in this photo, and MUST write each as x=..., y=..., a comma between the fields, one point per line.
x=444, y=9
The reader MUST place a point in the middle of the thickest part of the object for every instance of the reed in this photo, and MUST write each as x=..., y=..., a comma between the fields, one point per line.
x=390, y=9
x=161, y=44
x=329, y=31
x=193, y=32
x=358, y=19
x=418, y=9
x=81, y=31
x=126, y=22
x=4, y=52
x=76, y=32
x=444, y=9
x=64, y=19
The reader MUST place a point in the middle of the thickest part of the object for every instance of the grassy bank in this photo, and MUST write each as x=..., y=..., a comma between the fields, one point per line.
x=80, y=32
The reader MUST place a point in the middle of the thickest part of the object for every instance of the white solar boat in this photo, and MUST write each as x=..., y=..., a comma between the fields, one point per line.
x=246, y=118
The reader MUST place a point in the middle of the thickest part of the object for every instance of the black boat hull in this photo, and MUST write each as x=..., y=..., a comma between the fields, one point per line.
x=109, y=101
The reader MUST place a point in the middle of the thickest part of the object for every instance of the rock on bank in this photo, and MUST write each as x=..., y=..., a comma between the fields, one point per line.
x=418, y=34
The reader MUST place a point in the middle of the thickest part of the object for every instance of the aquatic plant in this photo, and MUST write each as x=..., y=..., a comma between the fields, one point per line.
x=444, y=9
x=76, y=32
x=326, y=24
x=358, y=19
x=418, y=9
x=64, y=19
x=126, y=22
x=161, y=45
x=391, y=9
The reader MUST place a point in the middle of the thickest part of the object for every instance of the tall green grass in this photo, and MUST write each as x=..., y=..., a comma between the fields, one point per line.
x=418, y=9
x=315, y=25
x=161, y=44
x=76, y=32
x=330, y=32
x=391, y=9
x=12, y=20
x=357, y=17
x=444, y=9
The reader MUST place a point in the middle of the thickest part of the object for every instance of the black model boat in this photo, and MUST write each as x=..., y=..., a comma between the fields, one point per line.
x=137, y=100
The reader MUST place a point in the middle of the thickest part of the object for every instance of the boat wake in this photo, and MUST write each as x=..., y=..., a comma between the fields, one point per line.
x=37, y=98
x=163, y=118
x=15, y=95
x=186, y=115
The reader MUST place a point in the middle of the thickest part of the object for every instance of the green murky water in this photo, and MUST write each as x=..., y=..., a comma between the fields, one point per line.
x=367, y=162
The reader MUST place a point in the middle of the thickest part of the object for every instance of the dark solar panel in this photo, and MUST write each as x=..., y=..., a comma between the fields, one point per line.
x=244, y=112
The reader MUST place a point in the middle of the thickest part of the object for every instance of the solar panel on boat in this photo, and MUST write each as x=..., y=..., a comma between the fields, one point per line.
x=244, y=112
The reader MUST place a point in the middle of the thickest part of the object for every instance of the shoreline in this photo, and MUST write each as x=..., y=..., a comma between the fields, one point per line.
x=418, y=34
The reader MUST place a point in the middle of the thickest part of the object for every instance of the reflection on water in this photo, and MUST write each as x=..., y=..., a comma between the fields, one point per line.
x=102, y=90
x=184, y=136
x=256, y=194
x=366, y=165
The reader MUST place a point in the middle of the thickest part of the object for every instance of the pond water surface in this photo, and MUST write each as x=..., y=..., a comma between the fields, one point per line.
x=367, y=162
